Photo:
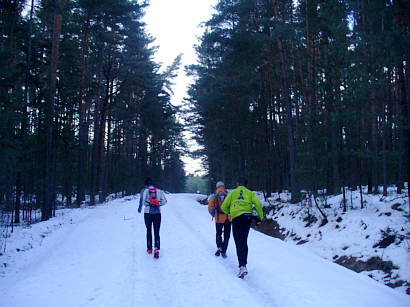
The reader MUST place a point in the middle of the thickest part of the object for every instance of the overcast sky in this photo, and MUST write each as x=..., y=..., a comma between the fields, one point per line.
x=176, y=26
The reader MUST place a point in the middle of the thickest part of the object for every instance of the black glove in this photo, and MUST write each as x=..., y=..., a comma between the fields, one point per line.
x=257, y=222
x=139, y=210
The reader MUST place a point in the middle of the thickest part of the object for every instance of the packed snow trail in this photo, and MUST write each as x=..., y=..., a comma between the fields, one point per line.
x=101, y=260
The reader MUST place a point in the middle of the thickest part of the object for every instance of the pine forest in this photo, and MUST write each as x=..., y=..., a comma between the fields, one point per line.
x=305, y=96
x=84, y=109
x=308, y=96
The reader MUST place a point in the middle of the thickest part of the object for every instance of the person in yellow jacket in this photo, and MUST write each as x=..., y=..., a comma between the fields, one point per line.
x=222, y=220
x=239, y=204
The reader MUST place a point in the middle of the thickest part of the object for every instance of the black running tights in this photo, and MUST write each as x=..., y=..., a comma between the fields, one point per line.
x=240, y=230
x=152, y=219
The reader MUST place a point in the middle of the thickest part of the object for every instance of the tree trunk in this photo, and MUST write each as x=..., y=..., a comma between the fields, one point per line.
x=83, y=135
x=101, y=145
x=97, y=121
x=289, y=119
x=387, y=133
x=30, y=32
x=405, y=124
x=375, y=153
x=107, y=158
x=311, y=101
x=18, y=199
x=48, y=190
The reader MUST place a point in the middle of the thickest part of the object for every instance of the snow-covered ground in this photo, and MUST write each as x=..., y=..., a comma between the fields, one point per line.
x=355, y=234
x=97, y=257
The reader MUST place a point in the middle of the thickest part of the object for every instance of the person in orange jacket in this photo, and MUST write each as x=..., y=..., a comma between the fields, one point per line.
x=222, y=220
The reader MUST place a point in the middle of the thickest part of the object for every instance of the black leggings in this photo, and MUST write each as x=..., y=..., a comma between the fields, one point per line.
x=149, y=220
x=240, y=229
x=226, y=228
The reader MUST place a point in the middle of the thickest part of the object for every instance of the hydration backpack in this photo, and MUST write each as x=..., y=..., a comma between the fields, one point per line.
x=153, y=201
x=219, y=197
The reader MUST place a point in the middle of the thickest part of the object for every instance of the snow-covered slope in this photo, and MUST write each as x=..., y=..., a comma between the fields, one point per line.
x=374, y=240
x=96, y=257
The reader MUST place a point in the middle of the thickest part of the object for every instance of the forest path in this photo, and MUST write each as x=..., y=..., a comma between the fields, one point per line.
x=101, y=260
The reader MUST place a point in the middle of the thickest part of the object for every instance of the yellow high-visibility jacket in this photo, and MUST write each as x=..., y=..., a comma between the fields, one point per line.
x=240, y=201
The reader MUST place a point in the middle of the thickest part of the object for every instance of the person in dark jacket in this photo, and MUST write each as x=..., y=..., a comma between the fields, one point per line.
x=152, y=198
x=222, y=220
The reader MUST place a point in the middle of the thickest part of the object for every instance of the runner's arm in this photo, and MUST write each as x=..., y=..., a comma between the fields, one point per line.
x=162, y=198
x=226, y=205
x=258, y=205
x=141, y=197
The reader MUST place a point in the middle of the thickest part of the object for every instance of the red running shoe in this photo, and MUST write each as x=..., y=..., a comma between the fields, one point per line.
x=149, y=251
x=156, y=253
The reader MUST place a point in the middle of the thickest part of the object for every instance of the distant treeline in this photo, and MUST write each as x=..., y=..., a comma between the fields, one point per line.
x=84, y=110
x=305, y=95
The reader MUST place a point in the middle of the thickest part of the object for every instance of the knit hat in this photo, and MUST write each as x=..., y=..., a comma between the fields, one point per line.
x=220, y=184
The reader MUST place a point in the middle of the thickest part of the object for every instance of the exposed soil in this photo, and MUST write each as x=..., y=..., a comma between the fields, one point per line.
x=374, y=263
x=271, y=228
x=385, y=242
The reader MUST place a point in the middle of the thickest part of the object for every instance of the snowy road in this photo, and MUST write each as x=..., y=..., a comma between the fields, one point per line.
x=101, y=261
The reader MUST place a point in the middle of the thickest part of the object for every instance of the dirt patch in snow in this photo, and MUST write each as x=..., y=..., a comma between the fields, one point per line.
x=271, y=228
x=373, y=264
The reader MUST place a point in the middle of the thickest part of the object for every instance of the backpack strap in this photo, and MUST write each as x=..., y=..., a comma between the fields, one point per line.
x=219, y=199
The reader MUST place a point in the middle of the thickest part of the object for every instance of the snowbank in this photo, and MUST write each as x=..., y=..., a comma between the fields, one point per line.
x=373, y=240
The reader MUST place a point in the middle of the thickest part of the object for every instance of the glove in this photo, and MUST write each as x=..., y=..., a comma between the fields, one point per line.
x=212, y=212
x=139, y=210
x=258, y=222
